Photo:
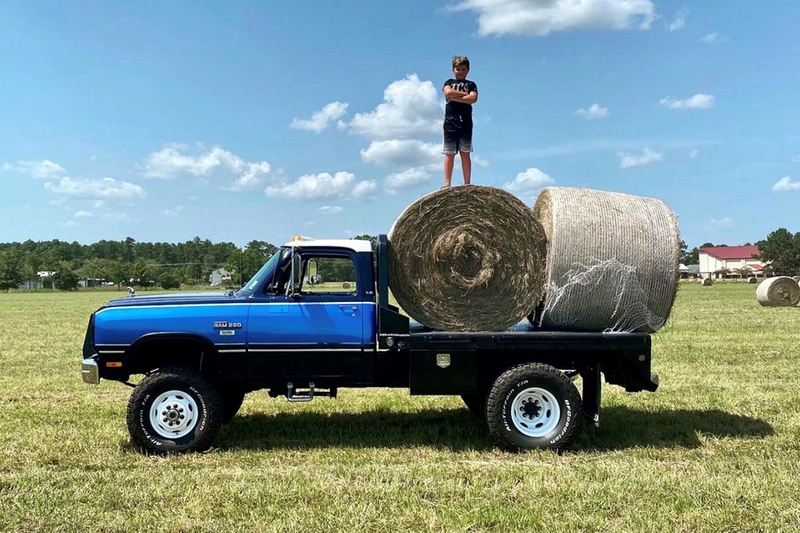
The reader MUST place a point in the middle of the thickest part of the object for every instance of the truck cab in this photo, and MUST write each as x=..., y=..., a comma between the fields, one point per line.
x=317, y=317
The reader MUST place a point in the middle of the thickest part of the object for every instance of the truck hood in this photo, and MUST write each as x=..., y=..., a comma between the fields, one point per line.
x=174, y=299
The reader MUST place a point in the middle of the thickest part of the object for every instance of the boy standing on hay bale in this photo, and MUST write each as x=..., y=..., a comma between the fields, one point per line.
x=460, y=94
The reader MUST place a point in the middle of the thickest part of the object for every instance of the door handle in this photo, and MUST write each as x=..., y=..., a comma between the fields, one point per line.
x=353, y=308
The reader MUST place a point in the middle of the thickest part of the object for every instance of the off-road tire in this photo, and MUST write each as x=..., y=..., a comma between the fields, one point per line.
x=232, y=398
x=195, y=388
x=537, y=384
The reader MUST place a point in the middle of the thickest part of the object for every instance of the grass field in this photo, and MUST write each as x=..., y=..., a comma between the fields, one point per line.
x=717, y=448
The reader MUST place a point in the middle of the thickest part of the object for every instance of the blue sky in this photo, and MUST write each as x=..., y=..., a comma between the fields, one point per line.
x=251, y=120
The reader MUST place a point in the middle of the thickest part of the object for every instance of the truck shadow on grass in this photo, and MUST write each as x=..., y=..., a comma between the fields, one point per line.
x=457, y=430
x=622, y=427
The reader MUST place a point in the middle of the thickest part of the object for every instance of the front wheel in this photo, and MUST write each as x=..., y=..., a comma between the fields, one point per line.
x=533, y=406
x=174, y=409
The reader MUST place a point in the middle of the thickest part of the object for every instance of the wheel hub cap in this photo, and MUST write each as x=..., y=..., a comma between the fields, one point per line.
x=173, y=414
x=535, y=412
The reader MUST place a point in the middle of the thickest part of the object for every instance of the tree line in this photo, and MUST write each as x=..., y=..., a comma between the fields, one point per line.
x=128, y=262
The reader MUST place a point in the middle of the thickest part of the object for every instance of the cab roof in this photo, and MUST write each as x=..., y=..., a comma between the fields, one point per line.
x=355, y=245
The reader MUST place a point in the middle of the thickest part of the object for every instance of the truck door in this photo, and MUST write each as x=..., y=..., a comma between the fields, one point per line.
x=316, y=331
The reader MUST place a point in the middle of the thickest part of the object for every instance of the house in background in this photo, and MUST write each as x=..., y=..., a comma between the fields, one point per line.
x=689, y=271
x=730, y=262
x=219, y=276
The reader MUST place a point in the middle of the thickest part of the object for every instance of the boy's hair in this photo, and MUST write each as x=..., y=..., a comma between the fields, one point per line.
x=459, y=61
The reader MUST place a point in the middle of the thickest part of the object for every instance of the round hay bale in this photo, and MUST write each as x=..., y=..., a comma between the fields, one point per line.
x=752, y=279
x=467, y=259
x=706, y=282
x=796, y=278
x=781, y=291
x=346, y=285
x=612, y=262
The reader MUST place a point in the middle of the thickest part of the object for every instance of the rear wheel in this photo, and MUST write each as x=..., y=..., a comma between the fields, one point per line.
x=174, y=409
x=533, y=406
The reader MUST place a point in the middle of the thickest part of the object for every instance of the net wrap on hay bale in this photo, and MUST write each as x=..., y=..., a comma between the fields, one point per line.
x=612, y=262
x=706, y=282
x=467, y=259
x=781, y=291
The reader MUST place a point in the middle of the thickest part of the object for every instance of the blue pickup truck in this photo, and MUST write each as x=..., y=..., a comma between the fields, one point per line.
x=317, y=317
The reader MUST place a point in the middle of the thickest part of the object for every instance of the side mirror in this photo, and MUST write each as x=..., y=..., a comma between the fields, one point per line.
x=293, y=287
x=312, y=271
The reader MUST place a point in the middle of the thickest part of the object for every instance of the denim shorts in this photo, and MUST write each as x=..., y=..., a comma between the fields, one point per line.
x=457, y=135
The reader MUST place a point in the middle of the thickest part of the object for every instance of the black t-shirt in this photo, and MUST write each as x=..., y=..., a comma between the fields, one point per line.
x=457, y=109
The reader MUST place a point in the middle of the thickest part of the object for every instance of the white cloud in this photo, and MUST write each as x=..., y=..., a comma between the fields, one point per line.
x=720, y=223
x=516, y=17
x=71, y=224
x=83, y=214
x=402, y=153
x=323, y=186
x=647, y=157
x=407, y=178
x=710, y=38
x=217, y=164
x=102, y=189
x=528, y=182
x=594, y=112
x=44, y=169
x=175, y=211
x=321, y=119
x=329, y=209
x=679, y=21
x=694, y=153
x=698, y=101
x=410, y=107
x=786, y=184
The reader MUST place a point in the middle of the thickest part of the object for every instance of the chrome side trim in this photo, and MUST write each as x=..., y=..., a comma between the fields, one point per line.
x=260, y=350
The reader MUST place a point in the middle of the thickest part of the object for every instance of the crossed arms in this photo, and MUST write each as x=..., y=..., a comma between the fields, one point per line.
x=460, y=96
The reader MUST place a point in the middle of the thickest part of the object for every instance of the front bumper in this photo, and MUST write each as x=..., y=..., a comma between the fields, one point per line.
x=90, y=371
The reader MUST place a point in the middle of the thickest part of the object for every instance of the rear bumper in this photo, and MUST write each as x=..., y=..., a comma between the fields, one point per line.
x=90, y=372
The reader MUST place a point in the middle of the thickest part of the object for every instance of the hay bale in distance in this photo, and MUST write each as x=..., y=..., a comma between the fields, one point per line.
x=781, y=291
x=752, y=279
x=706, y=282
x=467, y=259
x=796, y=278
x=612, y=260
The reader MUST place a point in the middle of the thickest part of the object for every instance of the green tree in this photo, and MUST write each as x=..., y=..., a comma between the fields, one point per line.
x=143, y=272
x=12, y=269
x=781, y=250
x=65, y=279
x=169, y=280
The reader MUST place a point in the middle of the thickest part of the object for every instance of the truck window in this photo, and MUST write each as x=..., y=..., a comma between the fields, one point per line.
x=328, y=275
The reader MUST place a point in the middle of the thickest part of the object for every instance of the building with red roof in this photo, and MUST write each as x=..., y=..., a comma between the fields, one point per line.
x=730, y=261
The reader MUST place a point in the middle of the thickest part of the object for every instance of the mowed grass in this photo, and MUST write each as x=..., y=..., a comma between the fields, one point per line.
x=717, y=448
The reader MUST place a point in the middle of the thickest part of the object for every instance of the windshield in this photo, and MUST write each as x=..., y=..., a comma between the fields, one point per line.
x=259, y=277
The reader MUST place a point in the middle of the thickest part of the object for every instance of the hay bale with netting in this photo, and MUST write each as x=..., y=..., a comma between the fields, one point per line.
x=706, y=282
x=467, y=259
x=752, y=279
x=781, y=291
x=612, y=262
x=796, y=278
